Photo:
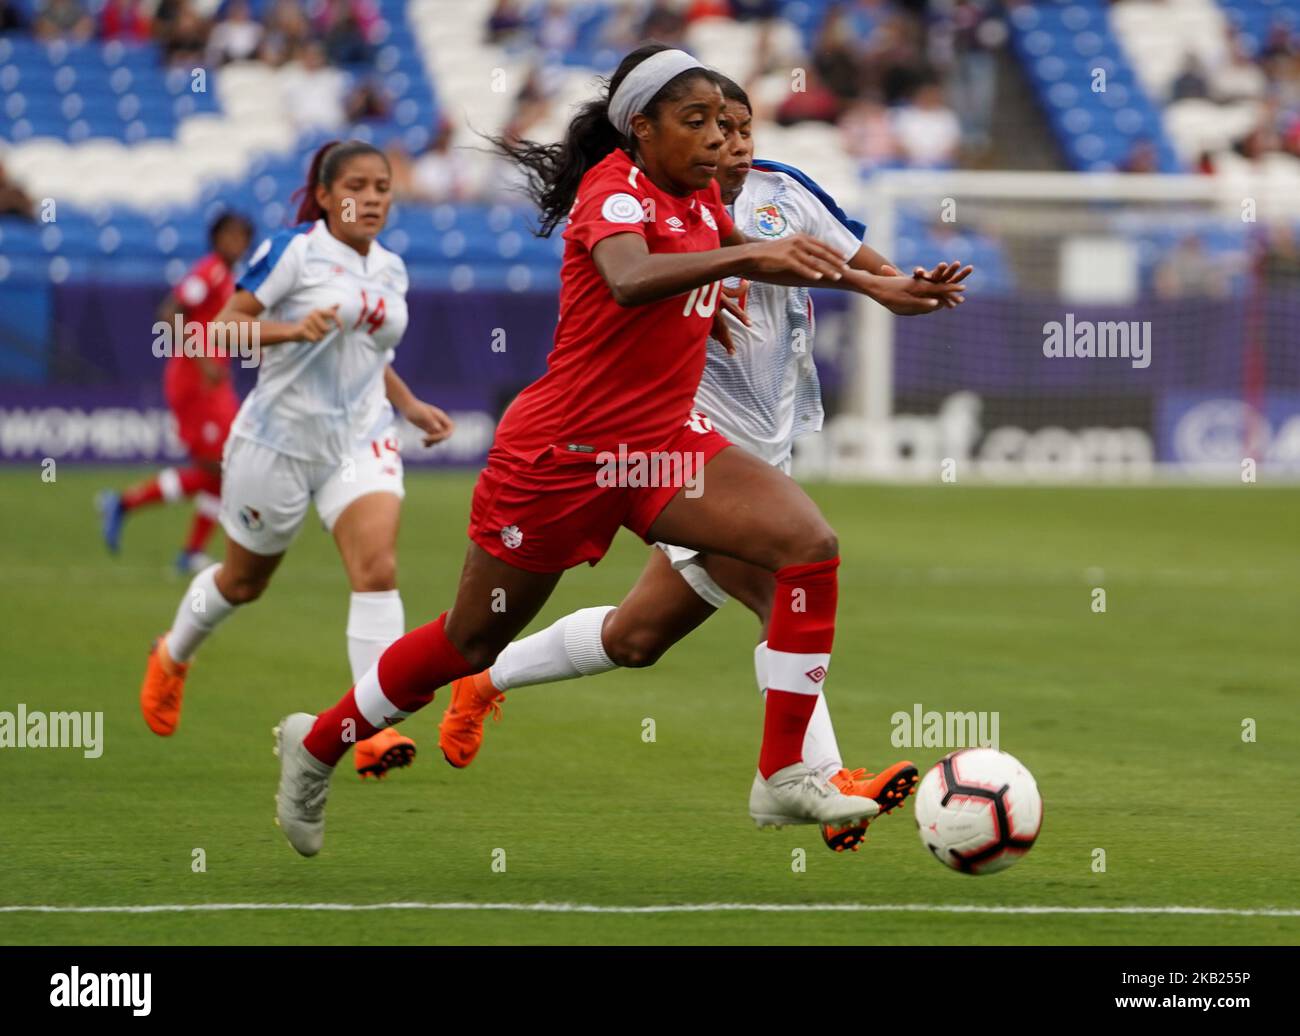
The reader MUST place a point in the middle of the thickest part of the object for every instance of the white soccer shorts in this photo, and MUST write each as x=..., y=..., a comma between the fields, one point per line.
x=265, y=493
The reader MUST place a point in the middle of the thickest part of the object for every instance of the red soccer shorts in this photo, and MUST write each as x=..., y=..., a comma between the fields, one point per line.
x=203, y=418
x=564, y=509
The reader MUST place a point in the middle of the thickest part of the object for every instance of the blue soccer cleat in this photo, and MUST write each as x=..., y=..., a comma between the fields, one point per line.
x=111, y=514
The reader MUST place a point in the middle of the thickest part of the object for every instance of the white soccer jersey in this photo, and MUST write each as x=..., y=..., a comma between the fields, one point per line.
x=767, y=395
x=313, y=400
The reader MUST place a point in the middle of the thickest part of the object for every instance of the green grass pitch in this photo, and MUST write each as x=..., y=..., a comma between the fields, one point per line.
x=956, y=597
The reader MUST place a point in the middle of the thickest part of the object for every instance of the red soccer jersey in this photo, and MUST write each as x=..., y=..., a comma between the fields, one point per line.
x=620, y=374
x=200, y=296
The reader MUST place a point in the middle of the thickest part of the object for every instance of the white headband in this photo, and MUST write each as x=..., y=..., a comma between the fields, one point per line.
x=643, y=82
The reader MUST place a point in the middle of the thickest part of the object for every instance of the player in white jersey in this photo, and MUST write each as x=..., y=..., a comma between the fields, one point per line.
x=761, y=397
x=327, y=303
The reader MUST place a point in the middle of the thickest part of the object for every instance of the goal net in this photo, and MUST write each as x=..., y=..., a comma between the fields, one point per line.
x=1117, y=328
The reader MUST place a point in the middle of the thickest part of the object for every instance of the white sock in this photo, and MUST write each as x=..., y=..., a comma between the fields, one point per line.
x=201, y=611
x=820, y=749
x=169, y=484
x=569, y=648
x=375, y=620
x=208, y=505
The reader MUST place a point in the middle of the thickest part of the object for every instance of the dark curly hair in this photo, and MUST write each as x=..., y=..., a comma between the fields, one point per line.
x=555, y=170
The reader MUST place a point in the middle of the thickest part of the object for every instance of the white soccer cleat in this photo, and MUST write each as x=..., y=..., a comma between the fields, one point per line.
x=304, y=786
x=796, y=795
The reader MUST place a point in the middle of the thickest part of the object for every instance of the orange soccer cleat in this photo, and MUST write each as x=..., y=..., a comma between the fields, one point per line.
x=160, y=694
x=460, y=734
x=387, y=750
x=889, y=788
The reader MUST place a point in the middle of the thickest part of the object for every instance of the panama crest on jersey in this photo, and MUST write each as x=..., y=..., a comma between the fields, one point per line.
x=769, y=220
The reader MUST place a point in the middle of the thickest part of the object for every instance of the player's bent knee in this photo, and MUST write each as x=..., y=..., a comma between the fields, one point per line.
x=480, y=653
x=244, y=591
x=634, y=650
x=826, y=545
x=816, y=544
x=376, y=574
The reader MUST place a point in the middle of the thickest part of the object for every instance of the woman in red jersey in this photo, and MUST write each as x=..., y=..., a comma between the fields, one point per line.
x=200, y=396
x=608, y=437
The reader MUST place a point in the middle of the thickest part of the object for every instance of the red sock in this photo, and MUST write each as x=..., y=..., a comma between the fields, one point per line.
x=207, y=510
x=798, y=654
x=200, y=529
x=171, y=484
x=145, y=493
x=410, y=670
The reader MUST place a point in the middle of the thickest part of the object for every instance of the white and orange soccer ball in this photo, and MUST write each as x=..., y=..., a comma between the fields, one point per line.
x=978, y=810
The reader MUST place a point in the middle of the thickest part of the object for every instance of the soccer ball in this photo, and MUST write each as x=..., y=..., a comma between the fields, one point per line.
x=978, y=810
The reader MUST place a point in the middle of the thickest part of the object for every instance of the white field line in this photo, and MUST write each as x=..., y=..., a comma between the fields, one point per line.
x=667, y=908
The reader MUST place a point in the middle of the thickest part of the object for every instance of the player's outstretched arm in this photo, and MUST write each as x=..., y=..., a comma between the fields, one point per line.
x=904, y=296
x=950, y=273
x=636, y=277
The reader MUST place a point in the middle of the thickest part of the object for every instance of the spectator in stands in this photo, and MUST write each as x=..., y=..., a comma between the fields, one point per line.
x=1189, y=271
x=400, y=169
x=506, y=182
x=287, y=32
x=505, y=23
x=346, y=39
x=895, y=60
x=64, y=19
x=868, y=134
x=12, y=18
x=1191, y=81
x=14, y=201
x=556, y=32
x=124, y=20
x=816, y=102
x=665, y=22
x=313, y=92
x=1142, y=158
x=866, y=16
x=184, y=39
x=366, y=100
x=1282, y=257
x=927, y=130
x=533, y=102
x=977, y=34
x=1238, y=78
x=442, y=173
x=1280, y=43
x=326, y=12
x=236, y=37
x=836, y=56
x=621, y=30
x=764, y=14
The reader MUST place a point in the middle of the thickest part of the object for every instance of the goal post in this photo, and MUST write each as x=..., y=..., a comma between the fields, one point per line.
x=1118, y=328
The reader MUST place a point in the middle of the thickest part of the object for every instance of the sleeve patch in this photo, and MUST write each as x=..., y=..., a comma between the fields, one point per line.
x=622, y=208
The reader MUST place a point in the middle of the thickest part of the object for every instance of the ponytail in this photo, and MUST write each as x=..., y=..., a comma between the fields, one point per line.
x=326, y=166
x=554, y=171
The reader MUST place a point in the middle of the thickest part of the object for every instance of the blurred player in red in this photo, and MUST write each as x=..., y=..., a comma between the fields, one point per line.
x=648, y=245
x=200, y=394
